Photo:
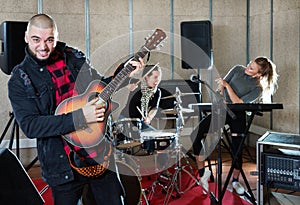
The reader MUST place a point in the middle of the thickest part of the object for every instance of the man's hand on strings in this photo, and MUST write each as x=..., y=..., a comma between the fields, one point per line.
x=93, y=112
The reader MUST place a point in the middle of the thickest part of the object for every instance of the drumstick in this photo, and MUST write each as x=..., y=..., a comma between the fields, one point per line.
x=146, y=74
x=140, y=112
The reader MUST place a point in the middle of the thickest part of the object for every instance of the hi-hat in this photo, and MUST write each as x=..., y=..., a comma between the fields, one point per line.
x=180, y=94
x=175, y=111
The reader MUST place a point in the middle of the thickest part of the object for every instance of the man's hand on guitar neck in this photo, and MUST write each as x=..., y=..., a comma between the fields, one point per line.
x=94, y=112
x=138, y=66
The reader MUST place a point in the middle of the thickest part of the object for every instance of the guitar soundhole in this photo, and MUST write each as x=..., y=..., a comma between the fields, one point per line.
x=93, y=96
x=96, y=95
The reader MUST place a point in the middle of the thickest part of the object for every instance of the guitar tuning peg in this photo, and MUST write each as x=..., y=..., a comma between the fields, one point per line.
x=159, y=46
x=148, y=36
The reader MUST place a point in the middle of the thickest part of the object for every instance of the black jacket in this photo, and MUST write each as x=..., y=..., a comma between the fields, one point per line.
x=32, y=95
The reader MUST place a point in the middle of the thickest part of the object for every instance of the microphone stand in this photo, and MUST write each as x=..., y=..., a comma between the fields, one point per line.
x=220, y=105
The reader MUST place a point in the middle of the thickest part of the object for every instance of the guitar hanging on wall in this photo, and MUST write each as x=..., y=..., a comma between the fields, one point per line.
x=95, y=132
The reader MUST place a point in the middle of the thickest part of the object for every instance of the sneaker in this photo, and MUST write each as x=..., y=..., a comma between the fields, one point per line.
x=238, y=188
x=204, y=180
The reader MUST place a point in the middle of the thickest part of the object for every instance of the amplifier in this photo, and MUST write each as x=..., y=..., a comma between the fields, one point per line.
x=280, y=171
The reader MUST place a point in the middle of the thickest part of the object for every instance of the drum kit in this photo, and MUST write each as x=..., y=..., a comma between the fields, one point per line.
x=159, y=149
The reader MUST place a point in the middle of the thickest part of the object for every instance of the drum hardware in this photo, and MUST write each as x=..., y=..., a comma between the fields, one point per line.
x=176, y=179
x=161, y=146
x=170, y=183
x=163, y=182
x=144, y=191
x=162, y=140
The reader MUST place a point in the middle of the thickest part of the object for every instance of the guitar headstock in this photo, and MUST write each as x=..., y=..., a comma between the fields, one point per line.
x=155, y=40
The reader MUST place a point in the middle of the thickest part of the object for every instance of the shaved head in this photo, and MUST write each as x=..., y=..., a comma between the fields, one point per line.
x=42, y=21
x=41, y=36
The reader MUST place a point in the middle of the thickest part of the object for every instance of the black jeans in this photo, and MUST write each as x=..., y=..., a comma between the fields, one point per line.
x=237, y=126
x=106, y=190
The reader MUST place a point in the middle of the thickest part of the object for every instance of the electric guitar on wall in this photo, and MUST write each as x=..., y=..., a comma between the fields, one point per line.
x=95, y=132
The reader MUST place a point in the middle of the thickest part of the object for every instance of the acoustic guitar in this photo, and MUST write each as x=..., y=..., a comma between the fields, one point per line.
x=95, y=132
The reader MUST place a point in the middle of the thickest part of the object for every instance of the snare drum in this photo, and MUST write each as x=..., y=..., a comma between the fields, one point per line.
x=157, y=140
x=127, y=129
x=162, y=143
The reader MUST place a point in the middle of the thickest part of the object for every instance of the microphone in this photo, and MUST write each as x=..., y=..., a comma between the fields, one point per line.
x=196, y=79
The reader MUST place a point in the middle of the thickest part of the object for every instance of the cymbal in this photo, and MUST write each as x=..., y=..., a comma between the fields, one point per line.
x=156, y=133
x=174, y=111
x=180, y=94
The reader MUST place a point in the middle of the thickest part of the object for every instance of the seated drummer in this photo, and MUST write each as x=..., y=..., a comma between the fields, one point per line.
x=144, y=98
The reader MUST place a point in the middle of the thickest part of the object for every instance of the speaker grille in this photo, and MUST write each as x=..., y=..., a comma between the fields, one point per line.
x=196, y=44
x=12, y=44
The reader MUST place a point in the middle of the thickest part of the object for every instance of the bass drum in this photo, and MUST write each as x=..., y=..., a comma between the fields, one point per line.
x=131, y=183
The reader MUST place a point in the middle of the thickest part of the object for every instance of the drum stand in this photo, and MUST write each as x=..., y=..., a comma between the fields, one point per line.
x=176, y=179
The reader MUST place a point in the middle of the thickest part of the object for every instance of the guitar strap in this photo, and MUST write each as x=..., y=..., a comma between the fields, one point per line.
x=76, y=58
x=88, y=171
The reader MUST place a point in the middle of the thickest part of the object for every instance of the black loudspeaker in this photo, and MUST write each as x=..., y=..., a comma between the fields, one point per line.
x=12, y=44
x=16, y=186
x=196, y=44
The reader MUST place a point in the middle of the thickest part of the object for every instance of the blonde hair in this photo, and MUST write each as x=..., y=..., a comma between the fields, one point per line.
x=269, y=77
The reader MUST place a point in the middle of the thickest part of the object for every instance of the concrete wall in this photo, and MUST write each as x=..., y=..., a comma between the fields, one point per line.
x=111, y=34
x=285, y=55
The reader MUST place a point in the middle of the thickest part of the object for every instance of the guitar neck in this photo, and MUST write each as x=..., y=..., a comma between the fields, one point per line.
x=122, y=75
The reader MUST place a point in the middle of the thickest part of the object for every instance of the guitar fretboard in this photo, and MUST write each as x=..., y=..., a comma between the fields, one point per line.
x=121, y=76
